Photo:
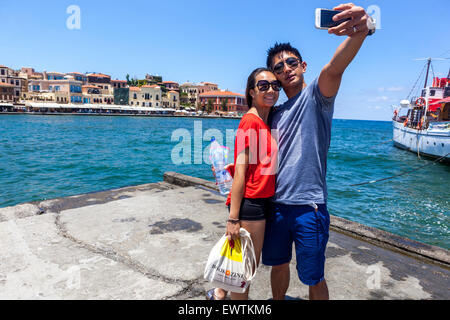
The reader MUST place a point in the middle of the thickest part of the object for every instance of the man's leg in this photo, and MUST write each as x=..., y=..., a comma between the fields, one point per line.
x=311, y=237
x=277, y=250
x=319, y=291
x=279, y=281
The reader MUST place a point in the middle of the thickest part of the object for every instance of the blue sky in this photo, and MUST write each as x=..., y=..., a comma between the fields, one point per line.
x=223, y=41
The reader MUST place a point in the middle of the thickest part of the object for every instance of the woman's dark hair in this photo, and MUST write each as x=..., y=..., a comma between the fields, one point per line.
x=280, y=47
x=251, y=84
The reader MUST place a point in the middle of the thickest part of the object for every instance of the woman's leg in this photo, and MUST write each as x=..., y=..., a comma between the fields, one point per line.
x=256, y=230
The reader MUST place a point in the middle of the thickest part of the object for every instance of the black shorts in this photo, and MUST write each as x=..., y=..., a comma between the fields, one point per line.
x=253, y=209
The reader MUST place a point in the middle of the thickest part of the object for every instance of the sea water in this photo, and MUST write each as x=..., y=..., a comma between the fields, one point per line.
x=46, y=157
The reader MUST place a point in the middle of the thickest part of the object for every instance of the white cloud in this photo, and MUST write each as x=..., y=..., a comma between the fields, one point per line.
x=391, y=89
x=399, y=88
x=379, y=98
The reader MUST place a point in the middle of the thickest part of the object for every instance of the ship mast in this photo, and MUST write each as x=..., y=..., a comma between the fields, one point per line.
x=428, y=69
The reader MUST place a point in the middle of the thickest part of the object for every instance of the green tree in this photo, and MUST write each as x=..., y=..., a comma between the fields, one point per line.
x=209, y=106
x=224, y=105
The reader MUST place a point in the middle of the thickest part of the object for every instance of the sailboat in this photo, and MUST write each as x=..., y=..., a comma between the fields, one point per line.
x=422, y=123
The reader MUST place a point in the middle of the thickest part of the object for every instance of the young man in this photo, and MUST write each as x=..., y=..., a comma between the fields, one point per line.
x=299, y=212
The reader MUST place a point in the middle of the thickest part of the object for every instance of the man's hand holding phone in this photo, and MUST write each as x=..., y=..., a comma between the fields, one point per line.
x=357, y=26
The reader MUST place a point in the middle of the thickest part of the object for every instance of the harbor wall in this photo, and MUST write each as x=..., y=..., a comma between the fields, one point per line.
x=416, y=249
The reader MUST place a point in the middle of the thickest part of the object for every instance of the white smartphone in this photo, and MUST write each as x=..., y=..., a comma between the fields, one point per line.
x=324, y=18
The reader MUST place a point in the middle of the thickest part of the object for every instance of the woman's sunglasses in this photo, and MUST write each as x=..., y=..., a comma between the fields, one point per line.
x=291, y=62
x=263, y=85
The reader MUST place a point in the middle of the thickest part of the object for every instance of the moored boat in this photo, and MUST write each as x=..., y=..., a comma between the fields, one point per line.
x=422, y=124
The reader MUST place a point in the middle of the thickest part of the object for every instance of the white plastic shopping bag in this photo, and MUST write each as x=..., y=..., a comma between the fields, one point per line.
x=232, y=269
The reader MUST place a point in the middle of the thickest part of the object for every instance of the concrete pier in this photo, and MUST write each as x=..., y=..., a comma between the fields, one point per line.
x=152, y=241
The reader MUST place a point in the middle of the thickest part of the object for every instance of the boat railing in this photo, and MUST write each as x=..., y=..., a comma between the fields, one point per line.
x=439, y=126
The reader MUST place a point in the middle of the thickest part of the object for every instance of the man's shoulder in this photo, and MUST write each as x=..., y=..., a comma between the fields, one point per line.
x=306, y=92
x=312, y=86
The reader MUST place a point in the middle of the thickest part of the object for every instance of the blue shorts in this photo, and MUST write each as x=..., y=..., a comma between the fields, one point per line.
x=304, y=226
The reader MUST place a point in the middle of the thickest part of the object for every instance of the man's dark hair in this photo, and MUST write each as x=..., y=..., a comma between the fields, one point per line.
x=279, y=47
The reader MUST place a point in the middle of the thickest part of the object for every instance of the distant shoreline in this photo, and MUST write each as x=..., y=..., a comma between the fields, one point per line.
x=116, y=114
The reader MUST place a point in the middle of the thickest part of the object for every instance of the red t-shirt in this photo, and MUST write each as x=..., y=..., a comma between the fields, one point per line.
x=255, y=135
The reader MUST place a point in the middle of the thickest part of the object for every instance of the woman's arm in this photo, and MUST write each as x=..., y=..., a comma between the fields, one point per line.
x=237, y=194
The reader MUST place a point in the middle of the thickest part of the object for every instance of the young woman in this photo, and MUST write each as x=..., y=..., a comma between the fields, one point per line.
x=255, y=158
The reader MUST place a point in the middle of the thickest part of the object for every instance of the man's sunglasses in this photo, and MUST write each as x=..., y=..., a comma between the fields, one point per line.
x=263, y=85
x=291, y=62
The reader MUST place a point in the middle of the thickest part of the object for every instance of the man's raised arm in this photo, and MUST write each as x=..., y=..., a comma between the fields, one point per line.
x=356, y=29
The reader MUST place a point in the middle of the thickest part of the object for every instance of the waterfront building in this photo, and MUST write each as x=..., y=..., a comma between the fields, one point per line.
x=94, y=95
x=117, y=84
x=120, y=92
x=146, y=96
x=152, y=95
x=10, y=76
x=36, y=76
x=171, y=100
x=121, y=96
x=4, y=72
x=30, y=74
x=223, y=101
x=207, y=87
x=46, y=96
x=53, y=75
x=78, y=76
x=189, y=92
x=26, y=72
x=171, y=86
x=102, y=81
x=6, y=92
x=67, y=88
x=134, y=96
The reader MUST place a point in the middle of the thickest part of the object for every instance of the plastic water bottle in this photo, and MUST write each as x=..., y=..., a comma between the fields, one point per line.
x=218, y=156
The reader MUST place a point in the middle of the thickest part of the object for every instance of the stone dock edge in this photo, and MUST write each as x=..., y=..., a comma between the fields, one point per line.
x=415, y=249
